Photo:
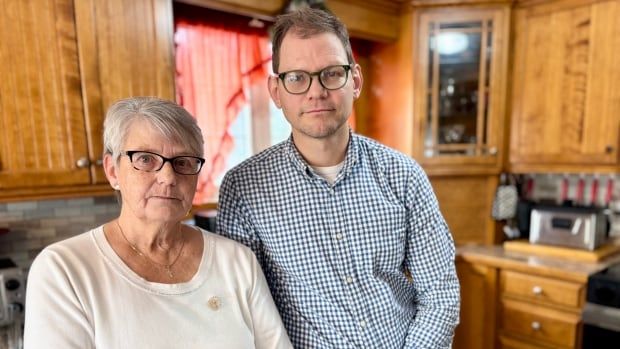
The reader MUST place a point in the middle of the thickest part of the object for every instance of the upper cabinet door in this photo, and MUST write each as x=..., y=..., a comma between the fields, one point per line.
x=126, y=49
x=566, y=93
x=42, y=132
x=460, y=83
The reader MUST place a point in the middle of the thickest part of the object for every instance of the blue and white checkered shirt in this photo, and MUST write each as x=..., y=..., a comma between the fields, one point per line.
x=336, y=256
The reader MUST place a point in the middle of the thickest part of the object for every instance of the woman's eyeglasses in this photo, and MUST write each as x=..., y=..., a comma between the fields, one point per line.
x=152, y=162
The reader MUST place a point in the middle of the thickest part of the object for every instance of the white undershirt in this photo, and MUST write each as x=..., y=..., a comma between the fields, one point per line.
x=330, y=172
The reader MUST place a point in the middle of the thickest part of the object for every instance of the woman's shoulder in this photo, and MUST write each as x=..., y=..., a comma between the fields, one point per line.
x=226, y=248
x=80, y=247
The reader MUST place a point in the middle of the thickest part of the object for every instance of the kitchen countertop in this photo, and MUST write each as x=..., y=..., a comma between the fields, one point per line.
x=565, y=268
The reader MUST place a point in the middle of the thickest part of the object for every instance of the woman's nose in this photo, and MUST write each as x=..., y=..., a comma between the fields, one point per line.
x=166, y=174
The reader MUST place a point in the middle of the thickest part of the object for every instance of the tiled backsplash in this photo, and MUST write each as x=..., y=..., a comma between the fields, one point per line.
x=33, y=225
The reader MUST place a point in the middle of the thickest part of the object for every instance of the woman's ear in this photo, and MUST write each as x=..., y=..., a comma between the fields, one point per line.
x=109, y=167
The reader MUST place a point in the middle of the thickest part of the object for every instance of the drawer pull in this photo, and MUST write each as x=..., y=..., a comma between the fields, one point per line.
x=536, y=326
x=537, y=290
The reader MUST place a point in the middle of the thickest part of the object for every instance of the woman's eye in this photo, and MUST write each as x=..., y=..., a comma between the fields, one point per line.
x=145, y=158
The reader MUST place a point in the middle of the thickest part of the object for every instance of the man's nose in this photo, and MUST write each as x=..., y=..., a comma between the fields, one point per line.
x=316, y=88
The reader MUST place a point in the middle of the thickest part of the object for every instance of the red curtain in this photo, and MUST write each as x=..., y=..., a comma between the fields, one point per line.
x=217, y=59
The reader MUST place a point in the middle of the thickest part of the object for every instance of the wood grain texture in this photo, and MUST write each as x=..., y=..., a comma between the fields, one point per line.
x=557, y=328
x=544, y=291
x=125, y=50
x=478, y=306
x=599, y=254
x=565, y=85
x=465, y=202
x=42, y=134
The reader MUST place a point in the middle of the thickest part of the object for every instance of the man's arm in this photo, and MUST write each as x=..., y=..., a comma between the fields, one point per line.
x=430, y=259
x=233, y=216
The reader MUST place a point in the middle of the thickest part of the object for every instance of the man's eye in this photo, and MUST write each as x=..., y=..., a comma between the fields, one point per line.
x=332, y=73
x=295, y=77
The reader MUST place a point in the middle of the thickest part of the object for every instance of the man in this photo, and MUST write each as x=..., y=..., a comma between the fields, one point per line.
x=348, y=231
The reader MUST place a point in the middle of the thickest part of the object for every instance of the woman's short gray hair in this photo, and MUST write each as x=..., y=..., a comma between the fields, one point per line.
x=172, y=120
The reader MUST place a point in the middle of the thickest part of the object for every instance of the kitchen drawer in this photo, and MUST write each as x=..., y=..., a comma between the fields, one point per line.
x=542, y=289
x=540, y=324
x=511, y=343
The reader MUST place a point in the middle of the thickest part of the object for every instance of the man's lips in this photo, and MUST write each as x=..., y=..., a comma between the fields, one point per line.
x=318, y=110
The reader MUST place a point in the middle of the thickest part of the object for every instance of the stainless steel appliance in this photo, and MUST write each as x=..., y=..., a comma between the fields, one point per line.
x=601, y=314
x=12, y=295
x=576, y=227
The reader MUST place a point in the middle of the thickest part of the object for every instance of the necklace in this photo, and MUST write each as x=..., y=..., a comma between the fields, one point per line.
x=167, y=267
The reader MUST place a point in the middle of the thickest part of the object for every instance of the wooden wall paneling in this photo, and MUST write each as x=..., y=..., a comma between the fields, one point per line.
x=363, y=20
x=391, y=103
x=40, y=97
x=466, y=202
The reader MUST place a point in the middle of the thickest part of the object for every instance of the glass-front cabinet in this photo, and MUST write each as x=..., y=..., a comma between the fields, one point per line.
x=460, y=86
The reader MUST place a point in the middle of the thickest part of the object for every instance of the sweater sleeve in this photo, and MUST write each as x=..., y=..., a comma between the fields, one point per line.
x=269, y=332
x=55, y=317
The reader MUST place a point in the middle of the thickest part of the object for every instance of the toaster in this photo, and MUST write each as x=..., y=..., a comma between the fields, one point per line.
x=577, y=227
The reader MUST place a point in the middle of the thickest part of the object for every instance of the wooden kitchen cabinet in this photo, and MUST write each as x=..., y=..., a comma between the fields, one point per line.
x=541, y=311
x=521, y=301
x=63, y=62
x=478, y=306
x=460, y=70
x=43, y=139
x=566, y=86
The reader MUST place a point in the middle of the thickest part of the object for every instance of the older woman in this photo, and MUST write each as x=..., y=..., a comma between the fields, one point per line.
x=145, y=280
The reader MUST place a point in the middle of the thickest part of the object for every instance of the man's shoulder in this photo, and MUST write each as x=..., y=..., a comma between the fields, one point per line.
x=263, y=161
x=385, y=155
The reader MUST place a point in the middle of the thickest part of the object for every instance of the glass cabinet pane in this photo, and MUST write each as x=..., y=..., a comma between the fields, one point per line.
x=459, y=59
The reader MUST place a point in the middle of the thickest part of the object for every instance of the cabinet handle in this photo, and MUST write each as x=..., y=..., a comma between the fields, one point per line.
x=609, y=149
x=536, y=326
x=82, y=162
x=493, y=151
x=537, y=290
x=99, y=162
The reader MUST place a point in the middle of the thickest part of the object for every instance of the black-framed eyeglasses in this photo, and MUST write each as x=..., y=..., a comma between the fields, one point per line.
x=331, y=78
x=152, y=162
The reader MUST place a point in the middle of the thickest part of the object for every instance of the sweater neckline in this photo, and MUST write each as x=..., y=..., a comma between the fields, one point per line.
x=117, y=264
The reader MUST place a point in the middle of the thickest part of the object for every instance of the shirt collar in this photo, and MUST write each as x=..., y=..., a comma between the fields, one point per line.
x=351, y=156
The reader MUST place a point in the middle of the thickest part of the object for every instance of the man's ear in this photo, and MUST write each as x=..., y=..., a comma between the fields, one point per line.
x=358, y=80
x=274, y=90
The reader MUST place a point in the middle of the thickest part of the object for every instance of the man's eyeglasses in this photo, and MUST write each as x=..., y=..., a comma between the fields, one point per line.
x=152, y=162
x=331, y=78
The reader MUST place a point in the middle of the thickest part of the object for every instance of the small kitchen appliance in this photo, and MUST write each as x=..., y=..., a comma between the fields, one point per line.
x=601, y=314
x=577, y=227
x=12, y=296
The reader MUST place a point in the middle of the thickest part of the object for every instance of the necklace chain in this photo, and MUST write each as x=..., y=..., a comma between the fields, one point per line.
x=167, y=267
